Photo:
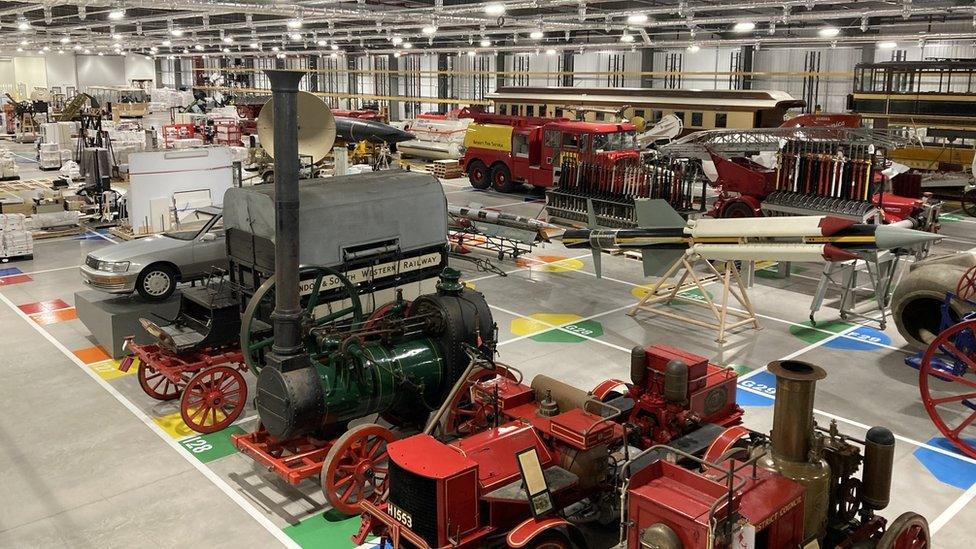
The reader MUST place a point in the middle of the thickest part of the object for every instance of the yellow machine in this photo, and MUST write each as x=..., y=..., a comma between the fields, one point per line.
x=494, y=137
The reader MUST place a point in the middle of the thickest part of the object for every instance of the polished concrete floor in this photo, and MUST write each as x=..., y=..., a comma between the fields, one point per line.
x=88, y=459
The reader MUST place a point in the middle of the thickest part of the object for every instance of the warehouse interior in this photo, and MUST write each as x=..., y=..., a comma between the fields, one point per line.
x=556, y=274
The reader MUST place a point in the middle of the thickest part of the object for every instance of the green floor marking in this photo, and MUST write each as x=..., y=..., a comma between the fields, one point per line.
x=739, y=369
x=587, y=328
x=696, y=294
x=773, y=271
x=950, y=218
x=207, y=448
x=329, y=529
x=822, y=331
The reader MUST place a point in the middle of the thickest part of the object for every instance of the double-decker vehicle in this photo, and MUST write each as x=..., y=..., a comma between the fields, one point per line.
x=504, y=152
x=934, y=98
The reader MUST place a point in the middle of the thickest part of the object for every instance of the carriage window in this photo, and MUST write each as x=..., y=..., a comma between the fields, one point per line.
x=570, y=140
x=520, y=143
x=639, y=112
x=530, y=110
x=721, y=120
x=658, y=115
x=502, y=109
x=696, y=119
x=552, y=138
x=559, y=113
x=681, y=116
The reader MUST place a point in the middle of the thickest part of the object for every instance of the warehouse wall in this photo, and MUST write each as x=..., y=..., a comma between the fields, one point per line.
x=94, y=70
x=61, y=71
x=26, y=72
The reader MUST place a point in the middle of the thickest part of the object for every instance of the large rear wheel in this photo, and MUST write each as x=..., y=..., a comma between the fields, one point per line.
x=478, y=175
x=356, y=467
x=501, y=179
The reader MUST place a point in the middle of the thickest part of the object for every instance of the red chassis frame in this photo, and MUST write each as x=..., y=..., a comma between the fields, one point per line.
x=207, y=381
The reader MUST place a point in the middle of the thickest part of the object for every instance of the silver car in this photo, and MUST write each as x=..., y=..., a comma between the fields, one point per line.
x=153, y=265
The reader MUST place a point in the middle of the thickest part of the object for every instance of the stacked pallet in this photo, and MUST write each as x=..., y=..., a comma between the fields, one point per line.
x=445, y=169
x=15, y=239
x=8, y=167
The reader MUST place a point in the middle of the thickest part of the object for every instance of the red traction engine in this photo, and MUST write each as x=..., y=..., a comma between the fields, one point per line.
x=672, y=392
x=798, y=487
x=470, y=492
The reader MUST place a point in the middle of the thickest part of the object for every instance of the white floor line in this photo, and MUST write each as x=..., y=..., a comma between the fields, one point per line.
x=563, y=325
x=102, y=236
x=526, y=268
x=952, y=510
x=237, y=498
x=31, y=273
x=865, y=427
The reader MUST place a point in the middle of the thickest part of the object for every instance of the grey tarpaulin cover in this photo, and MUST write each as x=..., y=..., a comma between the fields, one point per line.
x=339, y=213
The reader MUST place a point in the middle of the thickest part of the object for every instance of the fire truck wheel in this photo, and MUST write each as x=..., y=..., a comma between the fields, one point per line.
x=908, y=531
x=478, y=175
x=738, y=209
x=501, y=179
x=356, y=467
x=551, y=541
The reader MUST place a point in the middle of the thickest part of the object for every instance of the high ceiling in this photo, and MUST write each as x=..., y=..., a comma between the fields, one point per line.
x=248, y=27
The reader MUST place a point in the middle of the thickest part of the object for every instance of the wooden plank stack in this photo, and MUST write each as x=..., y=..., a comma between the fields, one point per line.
x=445, y=169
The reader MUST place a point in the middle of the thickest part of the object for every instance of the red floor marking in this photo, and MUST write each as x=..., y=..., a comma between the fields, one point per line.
x=90, y=355
x=43, y=306
x=53, y=317
x=14, y=279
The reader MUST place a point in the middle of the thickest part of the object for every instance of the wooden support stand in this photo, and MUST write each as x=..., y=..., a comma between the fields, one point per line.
x=732, y=285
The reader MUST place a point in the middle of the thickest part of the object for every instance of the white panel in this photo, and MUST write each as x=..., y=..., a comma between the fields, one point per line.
x=61, y=71
x=156, y=176
x=96, y=70
x=7, y=78
x=30, y=72
x=139, y=66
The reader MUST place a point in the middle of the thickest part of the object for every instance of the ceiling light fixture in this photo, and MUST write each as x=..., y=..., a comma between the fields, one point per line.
x=65, y=40
x=828, y=32
x=228, y=40
x=495, y=9
x=22, y=23
x=322, y=43
x=887, y=45
x=637, y=19
x=167, y=43
x=295, y=36
x=254, y=45
x=116, y=14
x=336, y=46
x=471, y=53
x=397, y=40
x=429, y=29
x=550, y=51
x=485, y=43
x=295, y=24
x=744, y=26
x=536, y=35
x=626, y=37
x=198, y=47
x=176, y=32
x=694, y=48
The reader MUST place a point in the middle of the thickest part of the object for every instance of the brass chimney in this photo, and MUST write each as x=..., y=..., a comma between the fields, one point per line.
x=795, y=453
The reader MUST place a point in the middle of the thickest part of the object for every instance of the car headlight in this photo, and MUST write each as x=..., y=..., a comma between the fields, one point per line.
x=113, y=266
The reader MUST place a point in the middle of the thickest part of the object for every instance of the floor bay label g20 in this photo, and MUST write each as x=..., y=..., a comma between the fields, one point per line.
x=399, y=515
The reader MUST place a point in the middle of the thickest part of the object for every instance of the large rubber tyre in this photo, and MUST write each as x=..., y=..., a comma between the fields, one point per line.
x=267, y=177
x=916, y=302
x=551, y=541
x=738, y=209
x=156, y=282
x=478, y=175
x=968, y=202
x=501, y=179
x=908, y=531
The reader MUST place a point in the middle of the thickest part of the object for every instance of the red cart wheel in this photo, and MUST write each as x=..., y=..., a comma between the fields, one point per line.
x=966, y=288
x=356, y=467
x=156, y=384
x=908, y=531
x=949, y=395
x=213, y=399
x=465, y=417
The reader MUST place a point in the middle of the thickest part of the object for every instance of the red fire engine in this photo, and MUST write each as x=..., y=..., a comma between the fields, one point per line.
x=504, y=152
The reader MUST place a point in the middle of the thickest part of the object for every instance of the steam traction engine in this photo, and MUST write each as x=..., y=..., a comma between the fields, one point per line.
x=469, y=493
x=797, y=488
x=321, y=362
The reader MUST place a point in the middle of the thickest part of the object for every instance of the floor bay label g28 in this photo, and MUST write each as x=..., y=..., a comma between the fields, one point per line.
x=399, y=515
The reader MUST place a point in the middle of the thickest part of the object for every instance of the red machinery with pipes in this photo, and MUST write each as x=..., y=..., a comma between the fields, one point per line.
x=798, y=488
x=504, y=152
x=473, y=484
x=672, y=392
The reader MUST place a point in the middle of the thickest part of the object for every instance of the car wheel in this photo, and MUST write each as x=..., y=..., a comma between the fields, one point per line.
x=478, y=175
x=501, y=179
x=156, y=282
x=268, y=177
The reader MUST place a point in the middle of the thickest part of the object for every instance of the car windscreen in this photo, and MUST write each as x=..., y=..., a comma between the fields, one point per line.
x=190, y=226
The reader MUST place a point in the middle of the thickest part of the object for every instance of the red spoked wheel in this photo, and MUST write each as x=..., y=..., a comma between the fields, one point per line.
x=947, y=383
x=464, y=416
x=156, y=384
x=356, y=467
x=908, y=531
x=966, y=288
x=213, y=399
